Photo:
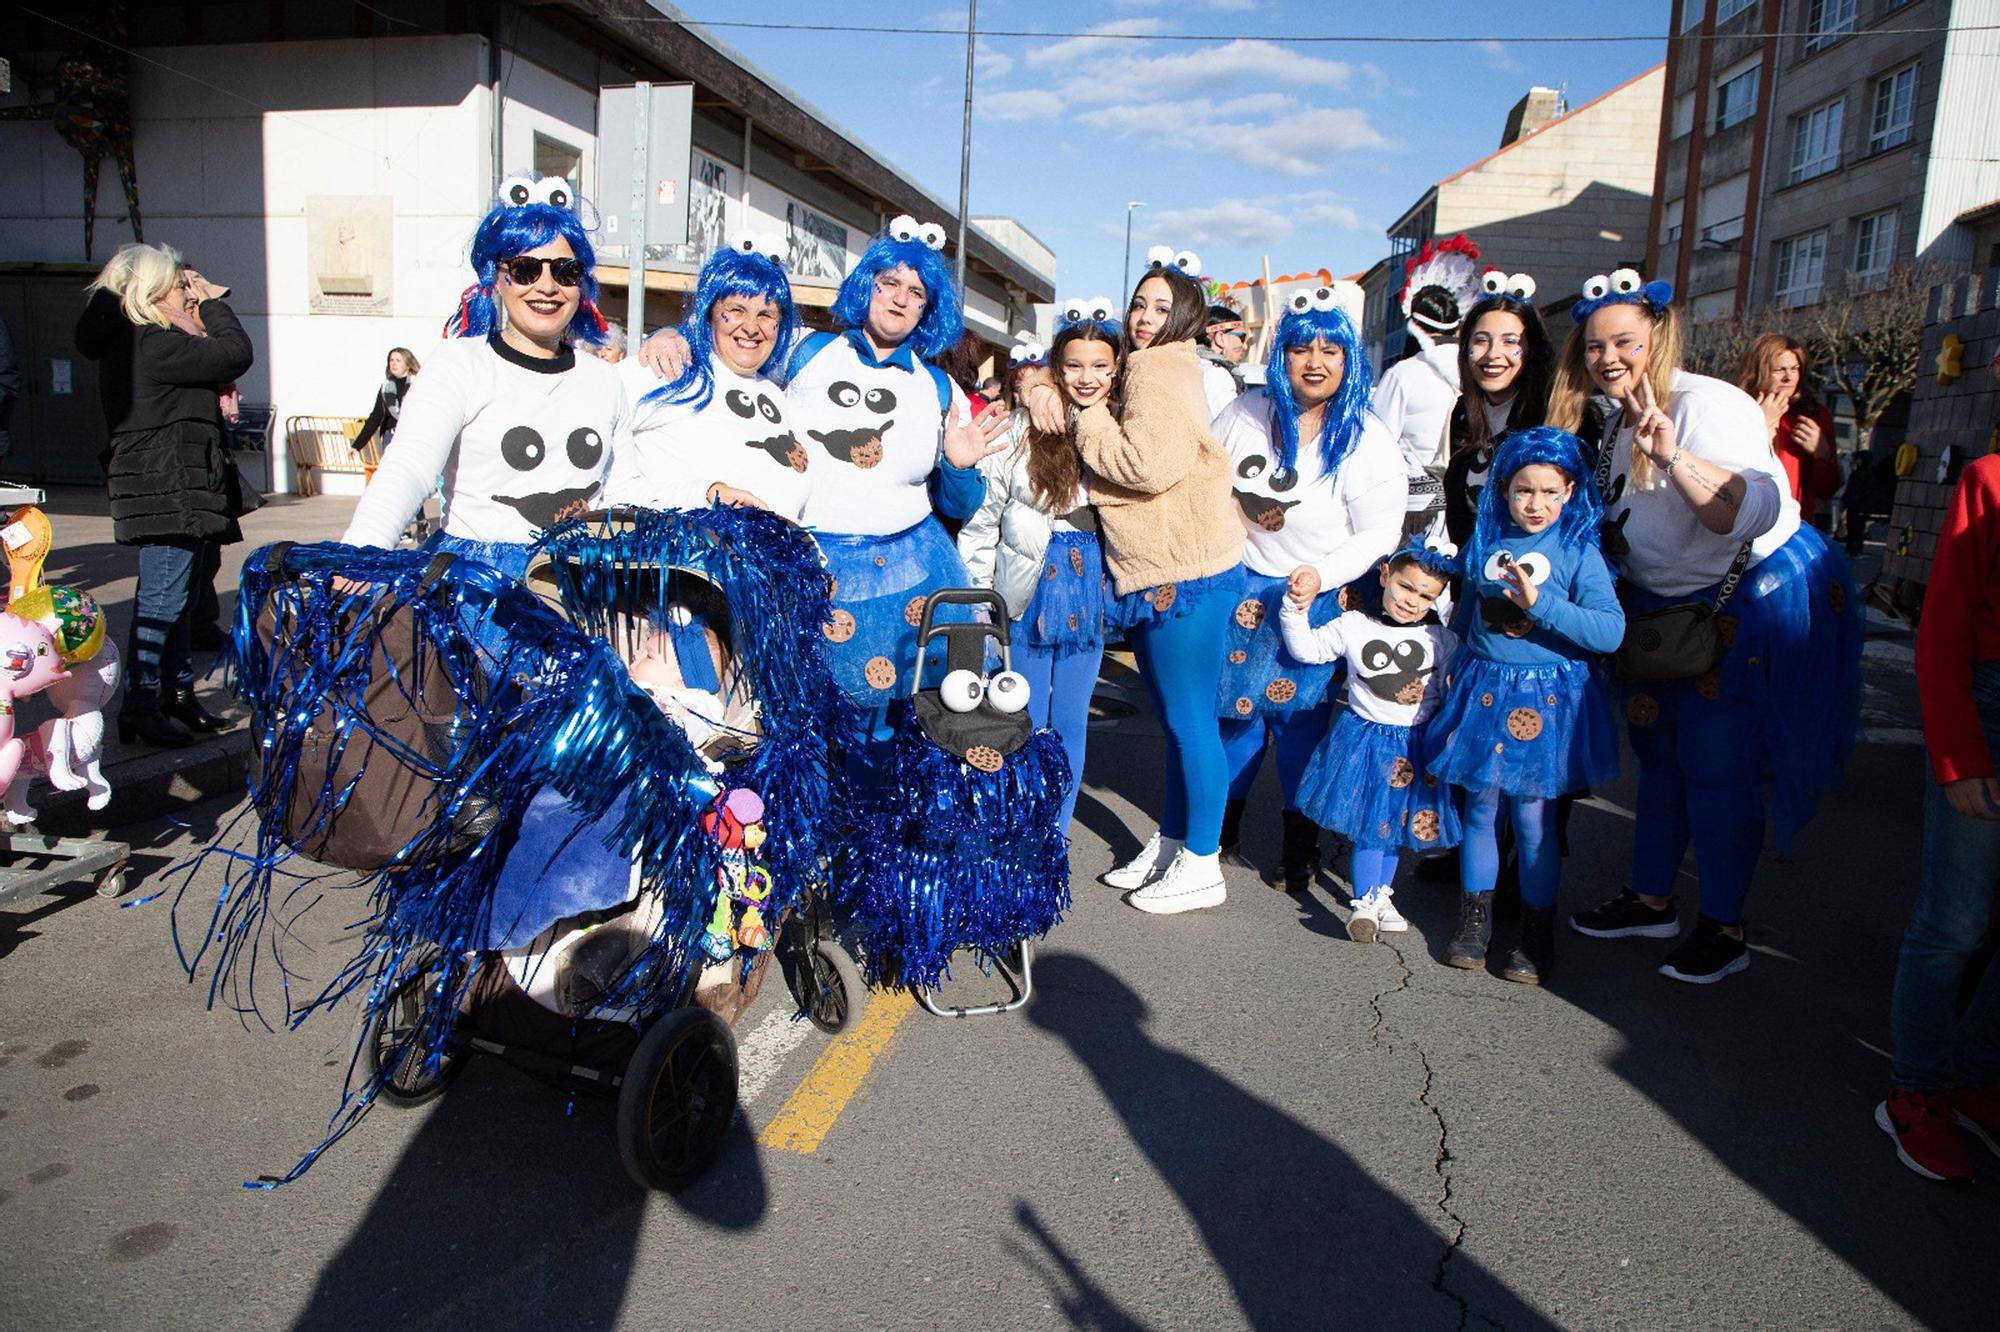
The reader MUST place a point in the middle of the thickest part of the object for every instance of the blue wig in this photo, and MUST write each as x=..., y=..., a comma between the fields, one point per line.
x=511, y=230
x=1345, y=413
x=943, y=323
x=729, y=272
x=1578, y=522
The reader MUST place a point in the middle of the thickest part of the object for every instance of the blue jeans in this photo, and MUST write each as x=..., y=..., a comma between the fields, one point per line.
x=1936, y=1046
x=1181, y=661
x=160, y=621
x=1059, y=690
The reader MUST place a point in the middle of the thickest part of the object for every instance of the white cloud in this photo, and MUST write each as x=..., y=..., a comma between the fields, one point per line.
x=1097, y=38
x=988, y=63
x=1231, y=222
x=1299, y=140
x=1497, y=56
x=1124, y=75
x=1026, y=104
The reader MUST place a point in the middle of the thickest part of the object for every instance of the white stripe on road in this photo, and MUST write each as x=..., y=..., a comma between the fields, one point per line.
x=762, y=1053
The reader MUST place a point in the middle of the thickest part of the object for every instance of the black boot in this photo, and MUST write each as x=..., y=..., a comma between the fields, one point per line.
x=183, y=707
x=140, y=718
x=1299, y=860
x=1475, y=930
x=1231, y=850
x=1533, y=958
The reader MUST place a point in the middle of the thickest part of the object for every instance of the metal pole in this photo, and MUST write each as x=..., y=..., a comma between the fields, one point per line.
x=1129, y=206
x=635, y=266
x=965, y=146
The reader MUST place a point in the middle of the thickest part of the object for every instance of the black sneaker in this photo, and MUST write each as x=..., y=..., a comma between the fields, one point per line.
x=1707, y=956
x=1627, y=917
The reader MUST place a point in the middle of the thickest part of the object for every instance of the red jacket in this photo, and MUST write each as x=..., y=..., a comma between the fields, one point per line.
x=1961, y=624
x=1814, y=476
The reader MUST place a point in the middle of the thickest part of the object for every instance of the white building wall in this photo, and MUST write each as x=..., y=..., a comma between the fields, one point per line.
x=1963, y=171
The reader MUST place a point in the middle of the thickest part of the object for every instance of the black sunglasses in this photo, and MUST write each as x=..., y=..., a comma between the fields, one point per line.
x=526, y=270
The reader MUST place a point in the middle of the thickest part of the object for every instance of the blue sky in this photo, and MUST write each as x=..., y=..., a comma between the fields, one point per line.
x=1241, y=145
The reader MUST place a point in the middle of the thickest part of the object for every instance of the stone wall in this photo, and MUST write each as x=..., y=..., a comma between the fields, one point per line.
x=1962, y=415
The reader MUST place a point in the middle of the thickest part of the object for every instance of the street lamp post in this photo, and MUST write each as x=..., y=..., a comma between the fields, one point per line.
x=1129, y=206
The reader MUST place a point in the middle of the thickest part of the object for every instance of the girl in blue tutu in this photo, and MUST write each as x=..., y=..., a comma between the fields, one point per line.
x=1525, y=716
x=1034, y=541
x=1368, y=779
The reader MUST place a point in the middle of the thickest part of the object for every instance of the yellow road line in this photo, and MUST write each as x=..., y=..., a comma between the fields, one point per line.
x=808, y=1114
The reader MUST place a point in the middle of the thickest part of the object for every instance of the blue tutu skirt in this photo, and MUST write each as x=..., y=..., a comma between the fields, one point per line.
x=1258, y=675
x=1169, y=601
x=508, y=557
x=1793, y=637
x=879, y=586
x=1536, y=732
x=1066, y=614
x=1368, y=782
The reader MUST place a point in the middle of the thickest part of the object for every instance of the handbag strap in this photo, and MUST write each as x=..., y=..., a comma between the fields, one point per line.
x=1733, y=577
x=1736, y=566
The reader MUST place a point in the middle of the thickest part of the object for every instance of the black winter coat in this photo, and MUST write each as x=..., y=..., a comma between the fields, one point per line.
x=166, y=467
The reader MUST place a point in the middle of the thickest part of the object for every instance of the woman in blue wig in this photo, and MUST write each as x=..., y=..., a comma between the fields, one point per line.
x=717, y=433
x=519, y=426
x=1317, y=480
x=1034, y=541
x=1174, y=550
x=1700, y=514
x=1525, y=717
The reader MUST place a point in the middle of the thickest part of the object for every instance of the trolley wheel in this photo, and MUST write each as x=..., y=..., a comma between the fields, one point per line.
x=111, y=883
x=678, y=1098
x=409, y=1082
x=834, y=995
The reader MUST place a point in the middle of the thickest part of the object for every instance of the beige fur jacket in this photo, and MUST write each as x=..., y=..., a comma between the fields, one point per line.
x=1158, y=478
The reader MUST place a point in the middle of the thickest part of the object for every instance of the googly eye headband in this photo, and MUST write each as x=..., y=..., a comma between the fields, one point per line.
x=1163, y=256
x=1622, y=286
x=1027, y=352
x=1437, y=558
x=1520, y=286
x=1321, y=299
x=904, y=228
x=1091, y=310
x=746, y=243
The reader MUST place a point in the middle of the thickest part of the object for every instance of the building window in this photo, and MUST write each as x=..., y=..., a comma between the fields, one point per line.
x=1895, y=110
x=1729, y=9
x=553, y=158
x=1736, y=98
x=1691, y=12
x=1827, y=21
x=1683, y=115
x=1801, y=269
x=1875, y=244
x=1816, y=142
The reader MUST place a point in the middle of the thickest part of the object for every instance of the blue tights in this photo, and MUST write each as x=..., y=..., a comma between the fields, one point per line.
x=1181, y=660
x=1059, y=690
x=1699, y=781
x=1294, y=735
x=1372, y=867
x=1535, y=848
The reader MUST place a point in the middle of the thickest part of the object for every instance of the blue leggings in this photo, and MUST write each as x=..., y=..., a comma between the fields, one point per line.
x=1535, y=848
x=1059, y=690
x=1181, y=660
x=1294, y=735
x=1699, y=781
x=1372, y=867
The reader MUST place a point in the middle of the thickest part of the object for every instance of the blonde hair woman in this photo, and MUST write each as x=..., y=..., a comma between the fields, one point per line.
x=165, y=467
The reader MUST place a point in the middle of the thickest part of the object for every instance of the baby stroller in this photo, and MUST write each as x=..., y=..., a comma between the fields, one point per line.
x=623, y=804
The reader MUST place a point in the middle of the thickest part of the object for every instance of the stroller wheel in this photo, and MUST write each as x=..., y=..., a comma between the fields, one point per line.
x=834, y=995
x=391, y=1046
x=678, y=1098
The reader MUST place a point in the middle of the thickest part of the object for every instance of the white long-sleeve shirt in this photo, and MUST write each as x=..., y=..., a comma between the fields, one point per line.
x=1672, y=554
x=1342, y=524
x=672, y=452
x=1414, y=398
x=874, y=432
x=1395, y=672
x=518, y=440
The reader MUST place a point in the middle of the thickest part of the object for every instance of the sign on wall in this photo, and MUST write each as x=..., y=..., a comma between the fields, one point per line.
x=663, y=183
x=349, y=254
x=815, y=247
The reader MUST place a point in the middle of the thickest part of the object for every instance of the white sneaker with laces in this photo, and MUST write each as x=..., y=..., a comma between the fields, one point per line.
x=1190, y=883
x=1149, y=864
x=1385, y=911
x=1366, y=922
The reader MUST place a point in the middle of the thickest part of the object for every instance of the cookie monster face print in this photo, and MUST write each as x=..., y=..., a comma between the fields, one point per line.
x=759, y=409
x=1266, y=511
x=859, y=444
x=1498, y=613
x=552, y=482
x=1396, y=671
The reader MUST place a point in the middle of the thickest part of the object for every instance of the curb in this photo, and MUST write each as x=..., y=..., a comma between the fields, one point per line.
x=152, y=785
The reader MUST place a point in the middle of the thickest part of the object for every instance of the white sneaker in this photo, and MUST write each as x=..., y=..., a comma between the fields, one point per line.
x=1149, y=864
x=1190, y=883
x=1375, y=913
x=1385, y=911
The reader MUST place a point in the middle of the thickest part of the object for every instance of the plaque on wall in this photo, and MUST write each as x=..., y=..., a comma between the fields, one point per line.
x=349, y=257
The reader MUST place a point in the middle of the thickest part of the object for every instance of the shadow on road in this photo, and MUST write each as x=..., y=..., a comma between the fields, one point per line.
x=1280, y=1207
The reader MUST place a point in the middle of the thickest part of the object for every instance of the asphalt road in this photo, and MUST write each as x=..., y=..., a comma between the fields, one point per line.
x=1233, y=1118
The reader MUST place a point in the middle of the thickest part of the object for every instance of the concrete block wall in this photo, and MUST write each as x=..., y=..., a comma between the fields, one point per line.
x=1963, y=415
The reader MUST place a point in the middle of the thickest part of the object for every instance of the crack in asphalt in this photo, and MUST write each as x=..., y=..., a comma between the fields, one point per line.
x=1441, y=1162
